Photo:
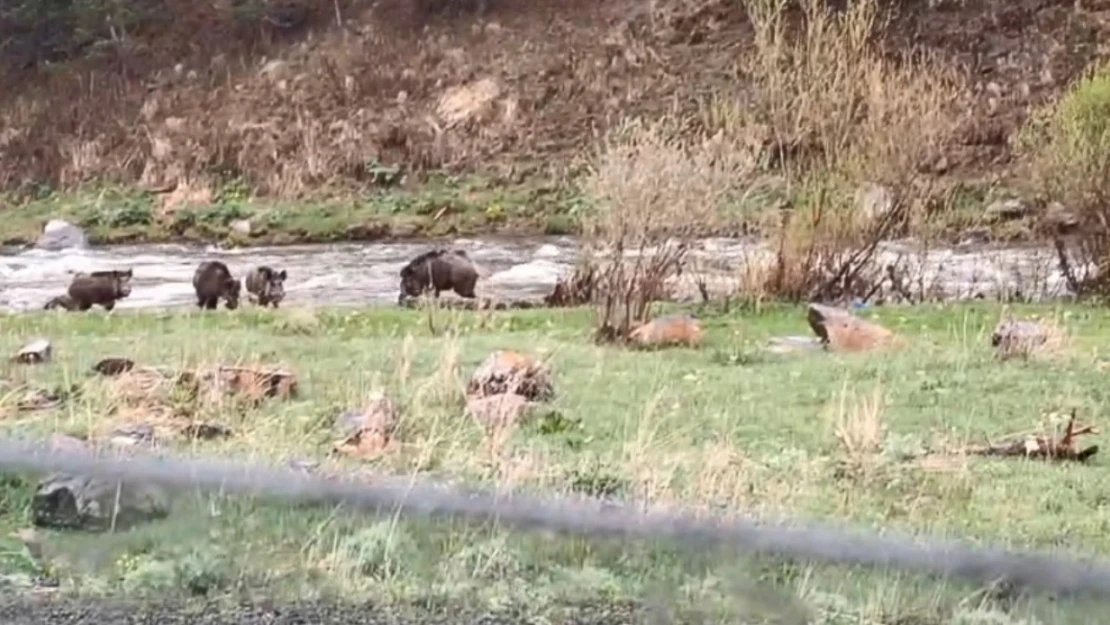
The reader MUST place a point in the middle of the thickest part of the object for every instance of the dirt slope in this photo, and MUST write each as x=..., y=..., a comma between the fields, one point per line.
x=523, y=90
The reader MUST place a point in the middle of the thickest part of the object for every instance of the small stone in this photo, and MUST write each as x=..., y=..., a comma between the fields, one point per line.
x=113, y=366
x=206, y=431
x=792, y=344
x=301, y=464
x=131, y=435
x=1007, y=209
x=36, y=352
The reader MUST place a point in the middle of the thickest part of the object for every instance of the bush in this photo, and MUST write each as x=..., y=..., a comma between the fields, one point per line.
x=1067, y=143
x=653, y=195
x=836, y=115
x=1066, y=146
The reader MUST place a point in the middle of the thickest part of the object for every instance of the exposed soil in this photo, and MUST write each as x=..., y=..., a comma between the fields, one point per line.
x=119, y=612
x=523, y=91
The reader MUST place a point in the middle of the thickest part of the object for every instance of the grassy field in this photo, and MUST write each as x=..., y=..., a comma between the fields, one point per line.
x=728, y=426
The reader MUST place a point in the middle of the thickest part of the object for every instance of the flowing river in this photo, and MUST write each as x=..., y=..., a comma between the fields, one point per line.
x=514, y=268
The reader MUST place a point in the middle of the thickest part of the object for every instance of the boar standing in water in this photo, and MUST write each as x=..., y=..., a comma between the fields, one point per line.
x=212, y=281
x=439, y=270
x=102, y=288
x=266, y=286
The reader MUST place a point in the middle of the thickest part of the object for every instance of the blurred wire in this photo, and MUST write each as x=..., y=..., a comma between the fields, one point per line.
x=594, y=517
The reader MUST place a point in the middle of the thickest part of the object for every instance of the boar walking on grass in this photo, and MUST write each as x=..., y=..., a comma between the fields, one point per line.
x=101, y=288
x=439, y=270
x=266, y=286
x=212, y=282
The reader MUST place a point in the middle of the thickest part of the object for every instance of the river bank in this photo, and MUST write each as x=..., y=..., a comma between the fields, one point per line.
x=229, y=218
x=436, y=208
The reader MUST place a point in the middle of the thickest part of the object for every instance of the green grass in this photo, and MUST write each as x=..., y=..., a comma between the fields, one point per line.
x=727, y=426
x=443, y=205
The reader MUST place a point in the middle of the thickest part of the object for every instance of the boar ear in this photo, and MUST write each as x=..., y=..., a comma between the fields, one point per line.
x=282, y=274
x=127, y=274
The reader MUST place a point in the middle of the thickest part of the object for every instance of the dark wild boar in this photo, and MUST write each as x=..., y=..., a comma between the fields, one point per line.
x=61, y=301
x=102, y=288
x=439, y=270
x=212, y=282
x=266, y=286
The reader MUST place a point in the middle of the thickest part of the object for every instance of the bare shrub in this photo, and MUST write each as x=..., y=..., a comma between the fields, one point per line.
x=655, y=194
x=855, y=133
x=1066, y=147
x=859, y=429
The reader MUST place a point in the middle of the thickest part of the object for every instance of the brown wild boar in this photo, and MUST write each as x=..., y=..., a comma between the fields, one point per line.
x=212, y=281
x=439, y=270
x=668, y=330
x=266, y=286
x=102, y=288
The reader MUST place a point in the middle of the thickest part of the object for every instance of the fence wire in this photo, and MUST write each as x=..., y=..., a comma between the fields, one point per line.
x=1040, y=571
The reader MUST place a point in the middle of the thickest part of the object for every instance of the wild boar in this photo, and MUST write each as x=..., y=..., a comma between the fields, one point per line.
x=102, y=288
x=212, y=282
x=439, y=270
x=266, y=286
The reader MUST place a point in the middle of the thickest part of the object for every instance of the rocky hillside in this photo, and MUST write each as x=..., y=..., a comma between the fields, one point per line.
x=305, y=95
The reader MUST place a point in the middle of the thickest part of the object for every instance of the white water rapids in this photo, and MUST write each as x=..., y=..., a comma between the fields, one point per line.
x=514, y=268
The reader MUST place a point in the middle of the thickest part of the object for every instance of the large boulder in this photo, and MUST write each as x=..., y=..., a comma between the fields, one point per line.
x=370, y=430
x=69, y=501
x=506, y=371
x=668, y=330
x=840, y=330
x=1020, y=338
x=61, y=235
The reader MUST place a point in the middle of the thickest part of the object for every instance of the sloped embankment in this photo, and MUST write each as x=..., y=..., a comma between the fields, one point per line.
x=293, y=101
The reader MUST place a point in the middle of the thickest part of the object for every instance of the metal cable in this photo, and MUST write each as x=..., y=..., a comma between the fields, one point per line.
x=1040, y=571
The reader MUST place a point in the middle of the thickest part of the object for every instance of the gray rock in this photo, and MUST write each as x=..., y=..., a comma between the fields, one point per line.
x=1007, y=209
x=1018, y=338
x=61, y=235
x=68, y=444
x=133, y=434
x=1061, y=217
x=77, y=502
x=874, y=200
x=301, y=464
x=242, y=226
x=792, y=344
x=37, y=351
x=206, y=431
x=379, y=414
